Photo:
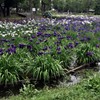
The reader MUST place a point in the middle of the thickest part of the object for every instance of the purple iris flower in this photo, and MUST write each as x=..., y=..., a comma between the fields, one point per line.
x=11, y=50
x=88, y=38
x=58, y=49
x=69, y=37
x=12, y=45
x=33, y=36
x=55, y=34
x=89, y=53
x=47, y=35
x=58, y=52
x=40, y=39
x=39, y=33
x=61, y=37
x=21, y=45
x=1, y=51
x=45, y=48
x=29, y=47
x=37, y=42
x=76, y=43
x=98, y=38
x=40, y=53
x=98, y=45
x=70, y=45
x=58, y=42
x=4, y=40
x=85, y=39
x=67, y=28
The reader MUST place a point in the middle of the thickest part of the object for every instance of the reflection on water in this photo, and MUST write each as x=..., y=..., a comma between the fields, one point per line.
x=73, y=80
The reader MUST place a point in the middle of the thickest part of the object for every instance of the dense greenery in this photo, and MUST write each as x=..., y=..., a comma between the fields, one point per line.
x=76, y=6
x=87, y=88
x=39, y=50
x=5, y=6
x=97, y=7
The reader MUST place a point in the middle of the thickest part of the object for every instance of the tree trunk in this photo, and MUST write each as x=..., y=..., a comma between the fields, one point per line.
x=8, y=11
x=36, y=11
x=43, y=6
x=2, y=10
x=30, y=4
x=17, y=9
x=50, y=1
x=40, y=6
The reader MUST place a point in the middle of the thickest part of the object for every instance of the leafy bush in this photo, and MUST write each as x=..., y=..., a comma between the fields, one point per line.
x=14, y=67
x=40, y=49
x=64, y=56
x=47, y=14
x=97, y=7
x=86, y=53
x=93, y=84
x=45, y=68
x=28, y=90
x=9, y=72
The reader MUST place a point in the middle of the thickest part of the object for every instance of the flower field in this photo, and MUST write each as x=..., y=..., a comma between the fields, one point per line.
x=40, y=49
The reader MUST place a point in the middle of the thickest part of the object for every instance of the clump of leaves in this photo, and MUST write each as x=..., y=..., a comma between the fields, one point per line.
x=9, y=72
x=86, y=53
x=28, y=90
x=45, y=68
x=65, y=56
x=47, y=14
x=14, y=67
x=93, y=83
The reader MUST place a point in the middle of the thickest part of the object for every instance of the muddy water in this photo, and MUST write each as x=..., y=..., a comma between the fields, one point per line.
x=76, y=78
x=73, y=80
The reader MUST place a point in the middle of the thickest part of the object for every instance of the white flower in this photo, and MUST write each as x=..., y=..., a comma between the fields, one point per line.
x=3, y=35
x=98, y=63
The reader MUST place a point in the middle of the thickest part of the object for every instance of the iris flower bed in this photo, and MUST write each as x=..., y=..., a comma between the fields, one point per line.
x=40, y=49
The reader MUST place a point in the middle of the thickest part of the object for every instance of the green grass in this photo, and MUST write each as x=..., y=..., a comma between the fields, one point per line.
x=87, y=89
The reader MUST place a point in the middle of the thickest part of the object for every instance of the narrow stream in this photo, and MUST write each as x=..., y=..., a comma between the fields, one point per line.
x=74, y=79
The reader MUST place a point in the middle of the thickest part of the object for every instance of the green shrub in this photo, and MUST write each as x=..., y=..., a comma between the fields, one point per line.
x=28, y=90
x=9, y=72
x=47, y=14
x=64, y=56
x=93, y=84
x=45, y=68
x=97, y=7
x=86, y=53
x=13, y=68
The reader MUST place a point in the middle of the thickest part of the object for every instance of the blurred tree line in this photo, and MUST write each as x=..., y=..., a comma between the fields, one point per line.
x=25, y=5
x=78, y=6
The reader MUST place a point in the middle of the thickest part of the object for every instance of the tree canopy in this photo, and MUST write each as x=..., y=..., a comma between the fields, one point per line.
x=44, y=5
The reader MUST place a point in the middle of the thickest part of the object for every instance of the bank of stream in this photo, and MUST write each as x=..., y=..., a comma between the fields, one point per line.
x=76, y=76
x=68, y=80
